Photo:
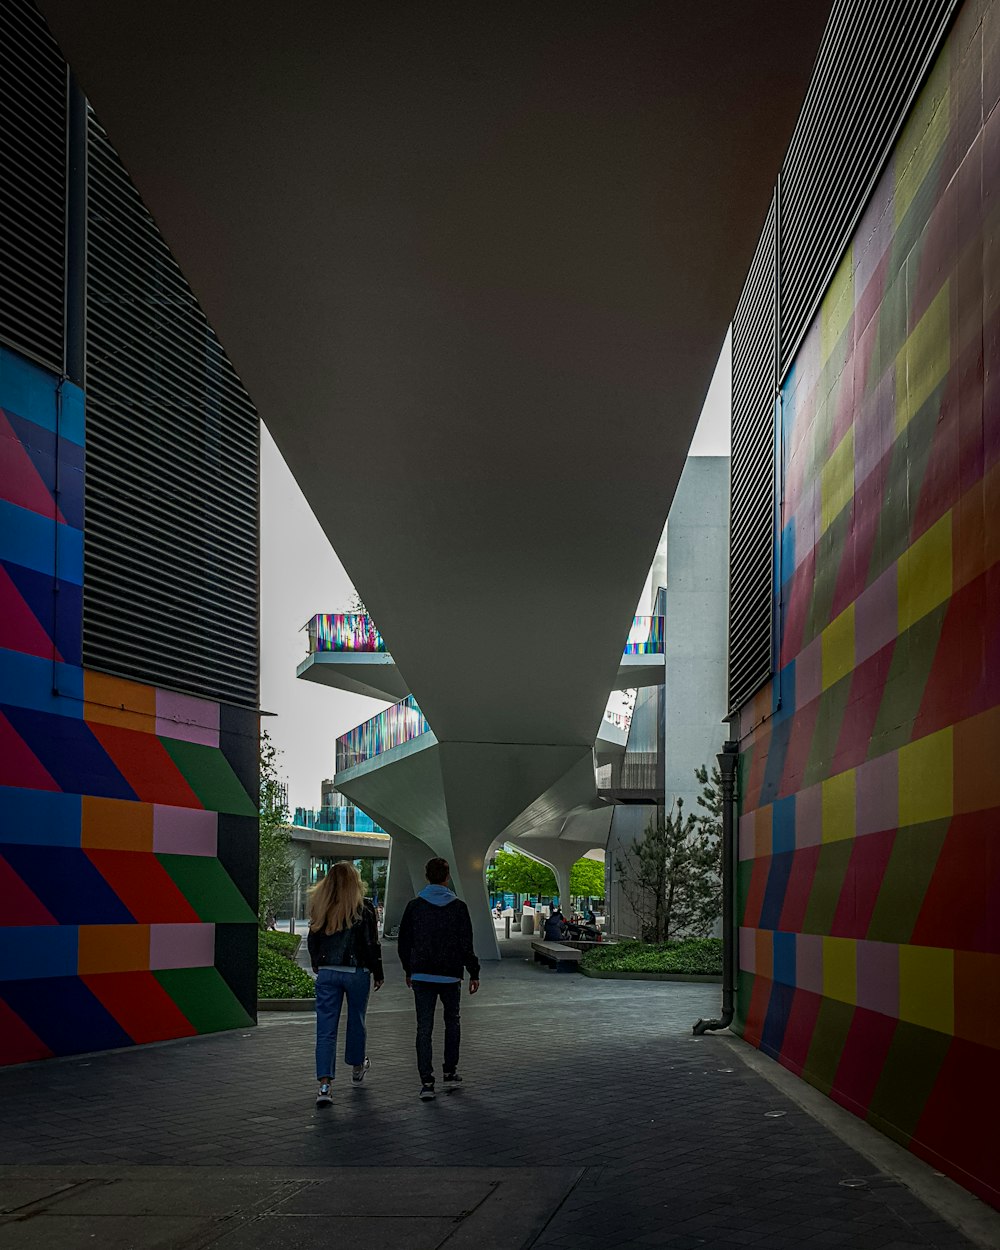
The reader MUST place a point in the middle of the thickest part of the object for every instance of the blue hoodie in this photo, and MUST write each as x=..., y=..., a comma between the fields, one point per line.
x=440, y=896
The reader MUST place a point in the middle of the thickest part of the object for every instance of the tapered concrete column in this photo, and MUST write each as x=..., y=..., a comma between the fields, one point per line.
x=407, y=858
x=558, y=854
x=467, y=857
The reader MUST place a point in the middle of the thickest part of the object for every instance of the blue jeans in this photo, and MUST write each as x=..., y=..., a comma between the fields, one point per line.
x=331, y=989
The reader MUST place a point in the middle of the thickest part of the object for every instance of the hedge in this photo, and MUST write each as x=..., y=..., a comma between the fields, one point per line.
x=280, y=977
x=695, y=955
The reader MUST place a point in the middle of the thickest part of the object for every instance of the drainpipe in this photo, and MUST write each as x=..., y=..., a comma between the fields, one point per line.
x=727, y=767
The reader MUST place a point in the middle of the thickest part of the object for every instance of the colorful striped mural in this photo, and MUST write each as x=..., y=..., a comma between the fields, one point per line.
x=127, y=828
x=869, y=848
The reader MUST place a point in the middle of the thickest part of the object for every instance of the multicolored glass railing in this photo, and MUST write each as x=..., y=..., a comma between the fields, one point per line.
x=344, y=819
x=646, y=636
x=400, y=723
x=344, y=631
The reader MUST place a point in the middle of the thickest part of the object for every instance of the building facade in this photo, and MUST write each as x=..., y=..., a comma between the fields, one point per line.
x=865, y=670
x=128, y=603
x=678, y=726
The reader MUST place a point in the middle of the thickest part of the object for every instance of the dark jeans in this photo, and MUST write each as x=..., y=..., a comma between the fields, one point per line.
x=425, y=996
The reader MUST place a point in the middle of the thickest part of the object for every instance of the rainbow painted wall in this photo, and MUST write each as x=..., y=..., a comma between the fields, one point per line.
x=870, y=786
x=128, y=835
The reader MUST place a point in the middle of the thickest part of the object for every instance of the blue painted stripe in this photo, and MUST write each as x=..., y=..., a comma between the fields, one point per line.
x=30, y=391
x=27, y=681
x=38, y=951
x=39, y=817
x=66, y=882
x=64, y=1014
x=27, y=538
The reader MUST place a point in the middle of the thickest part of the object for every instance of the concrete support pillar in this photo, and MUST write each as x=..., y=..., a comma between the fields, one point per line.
x=468, y=879
x=407, y=858
x=559, y=855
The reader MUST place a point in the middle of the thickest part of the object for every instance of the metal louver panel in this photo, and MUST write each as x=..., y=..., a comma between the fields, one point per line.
x=751, y=571
x=171, y=546
x=33, y=176
x=873, y=57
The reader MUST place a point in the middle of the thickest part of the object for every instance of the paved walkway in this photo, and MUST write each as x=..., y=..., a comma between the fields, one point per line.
x=590, y=1117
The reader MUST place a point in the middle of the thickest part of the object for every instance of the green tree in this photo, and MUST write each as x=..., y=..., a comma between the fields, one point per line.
x=586, y=879
x=671, y=878
x=275, y=855
x=710, y=837
x=516, y=873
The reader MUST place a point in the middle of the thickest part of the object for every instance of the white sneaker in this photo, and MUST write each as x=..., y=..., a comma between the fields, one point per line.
x=359, y=1072
x=323, y=1096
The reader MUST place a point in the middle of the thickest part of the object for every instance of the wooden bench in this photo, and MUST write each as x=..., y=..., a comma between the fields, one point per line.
x=558, y=955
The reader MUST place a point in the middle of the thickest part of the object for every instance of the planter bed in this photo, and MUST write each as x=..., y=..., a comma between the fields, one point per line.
x=601, y=975
x=286, y=1004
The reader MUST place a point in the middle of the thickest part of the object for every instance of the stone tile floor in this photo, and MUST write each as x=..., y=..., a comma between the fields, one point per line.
x=590, y=1117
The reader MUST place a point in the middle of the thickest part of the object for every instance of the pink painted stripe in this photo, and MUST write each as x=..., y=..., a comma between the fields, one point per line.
x=185, y=830
x=748, y=950
x=191, y=720
x=181, y=945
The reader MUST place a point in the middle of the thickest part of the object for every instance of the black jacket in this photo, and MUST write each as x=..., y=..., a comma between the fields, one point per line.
x=437, y=940
x=356, y=947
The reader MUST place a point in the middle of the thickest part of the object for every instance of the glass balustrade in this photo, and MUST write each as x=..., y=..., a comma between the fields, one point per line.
x=646, y=636
x=344, y=631
x=343, y=819
x=400, y=723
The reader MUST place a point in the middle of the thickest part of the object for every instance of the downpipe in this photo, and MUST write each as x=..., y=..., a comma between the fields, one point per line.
x=727, y=767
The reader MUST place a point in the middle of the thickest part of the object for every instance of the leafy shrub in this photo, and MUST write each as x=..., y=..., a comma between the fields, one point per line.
x=279, y=977
x=286, y=944
x=695, y=955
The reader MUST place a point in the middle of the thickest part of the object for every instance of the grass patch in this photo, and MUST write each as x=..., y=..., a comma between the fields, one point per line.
x=279, y=976
x=695, y=955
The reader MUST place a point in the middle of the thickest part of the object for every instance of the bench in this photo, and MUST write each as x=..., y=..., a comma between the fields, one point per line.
x=558, y=955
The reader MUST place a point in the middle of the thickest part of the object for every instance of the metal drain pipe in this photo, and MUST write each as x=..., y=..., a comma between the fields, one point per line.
x=728, y=760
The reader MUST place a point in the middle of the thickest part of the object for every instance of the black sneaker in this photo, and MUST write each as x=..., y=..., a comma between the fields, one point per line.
x=452, y=1078
x=323, y=1095
x=427, y=1091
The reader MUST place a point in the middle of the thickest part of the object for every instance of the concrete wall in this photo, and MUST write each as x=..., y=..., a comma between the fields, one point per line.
x=696, y=625
x=693, y=558
x=869, y=848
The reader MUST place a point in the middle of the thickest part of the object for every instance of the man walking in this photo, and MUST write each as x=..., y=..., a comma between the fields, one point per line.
x=435, y=948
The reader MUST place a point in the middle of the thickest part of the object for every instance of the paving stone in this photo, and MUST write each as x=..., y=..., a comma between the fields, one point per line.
x=570, y=1072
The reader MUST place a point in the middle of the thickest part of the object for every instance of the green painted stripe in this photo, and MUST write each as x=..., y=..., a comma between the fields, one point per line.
x=904, y=886
x=908, y=1076
x=824, y=897
x=912, y=660
x=204, y=998
x=210, y=776
x=833, y=1023
x=208, y=888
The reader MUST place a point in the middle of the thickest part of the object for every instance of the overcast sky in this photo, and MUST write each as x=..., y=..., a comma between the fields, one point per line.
x=301, y=575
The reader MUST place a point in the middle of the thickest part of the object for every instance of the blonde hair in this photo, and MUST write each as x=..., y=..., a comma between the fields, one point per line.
x=337, y=901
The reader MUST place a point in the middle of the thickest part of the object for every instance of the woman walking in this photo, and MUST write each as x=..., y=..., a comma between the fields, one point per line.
x=345, y=954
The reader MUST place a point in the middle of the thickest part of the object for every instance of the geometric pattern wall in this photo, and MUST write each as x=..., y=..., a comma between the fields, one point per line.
x=869, y=841
x=127, y=827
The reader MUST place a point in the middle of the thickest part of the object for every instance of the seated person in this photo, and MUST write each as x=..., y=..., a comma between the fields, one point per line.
x=555, y=927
